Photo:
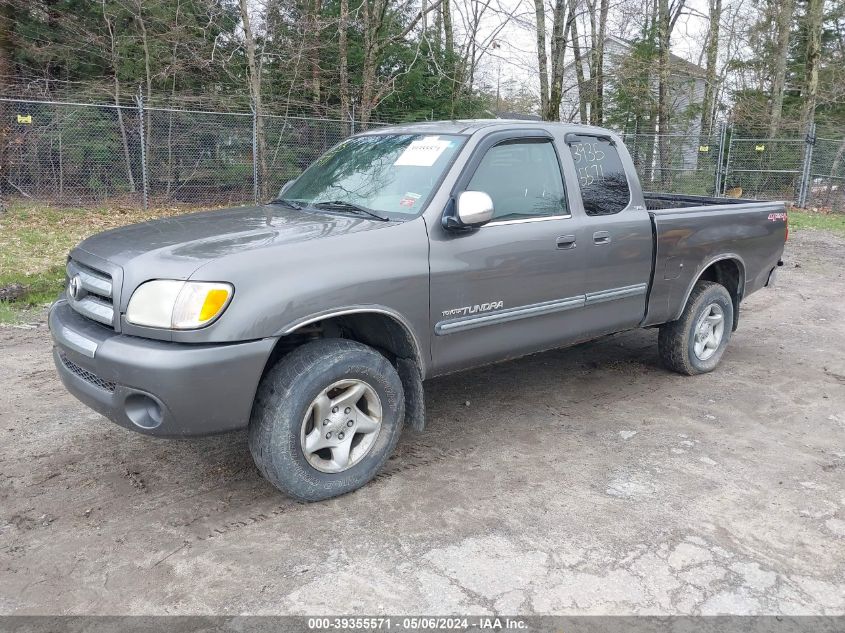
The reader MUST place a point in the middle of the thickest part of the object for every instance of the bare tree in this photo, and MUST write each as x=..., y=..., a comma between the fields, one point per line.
x=551, y=85
x=343, y=61
x=115, y=61
x=314, y=29
x=783, y=22
x=708, y=106
x=598, y=33
x=667, y=16
x=254, y=63
x=374, y=16
x=6, y=71
x=579, y=67
x=148, y=77
x=810, y=92
x=542, y=59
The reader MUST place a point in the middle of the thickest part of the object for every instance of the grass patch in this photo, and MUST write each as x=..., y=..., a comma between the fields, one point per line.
x=8, y=314
x=801, y=220
x=36, y=238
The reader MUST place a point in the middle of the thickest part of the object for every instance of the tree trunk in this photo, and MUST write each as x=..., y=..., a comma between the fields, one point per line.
x=314, y=52
x=449, y=50
x=121, y=124
x=597, y=111
x=7, y=50
x=343, y=50
x=542, y=60
x=123, y=137
x=368, y=71
x=255, y=93
x=783, y=23
x=814, y=44
x=448, y=30
x=579, y=69
x=147, y=74
x=709, y=102
x=170, y=168
x=559, y=32
x=663, y=37
x=7, y=62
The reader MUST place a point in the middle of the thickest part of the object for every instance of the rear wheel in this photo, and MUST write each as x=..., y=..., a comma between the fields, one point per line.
x=326, y=418
x=694, y=344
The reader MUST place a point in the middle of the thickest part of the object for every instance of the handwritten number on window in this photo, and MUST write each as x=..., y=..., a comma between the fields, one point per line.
x=591, y=156
x=590, y=174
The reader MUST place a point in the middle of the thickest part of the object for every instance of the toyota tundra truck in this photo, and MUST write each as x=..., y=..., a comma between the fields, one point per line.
x=400, y=255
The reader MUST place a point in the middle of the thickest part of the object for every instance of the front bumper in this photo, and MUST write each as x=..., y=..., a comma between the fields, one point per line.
x=156, y=387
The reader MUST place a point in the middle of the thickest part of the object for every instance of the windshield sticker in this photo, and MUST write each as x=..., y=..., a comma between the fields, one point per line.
x=423, y=153
x=409, y=199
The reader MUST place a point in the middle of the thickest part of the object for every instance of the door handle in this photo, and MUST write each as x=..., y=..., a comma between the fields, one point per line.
x=565, y=242
x=601, y=237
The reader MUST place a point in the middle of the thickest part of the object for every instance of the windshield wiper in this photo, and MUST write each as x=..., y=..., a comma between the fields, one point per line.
x=287, y=203
x=343, y=205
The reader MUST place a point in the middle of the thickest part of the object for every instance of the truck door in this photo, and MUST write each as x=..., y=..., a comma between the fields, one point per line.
x=617, y=240
x=512, y=286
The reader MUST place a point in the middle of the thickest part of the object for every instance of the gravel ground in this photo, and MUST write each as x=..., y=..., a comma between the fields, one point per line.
x=585, y=481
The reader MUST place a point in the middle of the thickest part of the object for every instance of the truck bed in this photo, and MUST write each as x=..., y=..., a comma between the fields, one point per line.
x=692, y=232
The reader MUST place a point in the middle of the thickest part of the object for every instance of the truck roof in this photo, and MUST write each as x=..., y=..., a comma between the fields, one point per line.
x=471, y=126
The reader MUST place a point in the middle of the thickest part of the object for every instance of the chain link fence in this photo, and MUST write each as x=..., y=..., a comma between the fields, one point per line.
x=78, y=154
x=826, y=182
x=691, y=163
x=70, y=153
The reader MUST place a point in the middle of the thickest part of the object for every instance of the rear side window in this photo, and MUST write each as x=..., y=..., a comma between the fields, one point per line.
x=601, y=176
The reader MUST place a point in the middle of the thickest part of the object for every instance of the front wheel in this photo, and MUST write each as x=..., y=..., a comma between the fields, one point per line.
x=326, y=418
x=694, y=344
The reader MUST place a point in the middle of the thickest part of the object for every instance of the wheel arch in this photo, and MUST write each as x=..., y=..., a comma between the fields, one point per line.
x=379, y=327
x=728, y=270
x=368, y=322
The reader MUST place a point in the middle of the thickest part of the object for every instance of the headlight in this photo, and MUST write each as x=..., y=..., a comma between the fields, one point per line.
x=178, y=305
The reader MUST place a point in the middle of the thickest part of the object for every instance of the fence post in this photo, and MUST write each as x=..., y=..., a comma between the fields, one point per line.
x=255, y=183
x=143, y=138
x=807, y=166
x=729, y=132
x=720, y=157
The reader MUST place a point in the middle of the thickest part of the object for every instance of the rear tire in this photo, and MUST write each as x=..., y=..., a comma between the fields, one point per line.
x=694, y=344
x=325, y=419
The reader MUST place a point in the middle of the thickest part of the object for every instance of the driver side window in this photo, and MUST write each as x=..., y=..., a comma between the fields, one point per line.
x=523, y=179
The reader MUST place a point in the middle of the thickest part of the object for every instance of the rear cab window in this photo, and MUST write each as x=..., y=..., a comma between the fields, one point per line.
x=601, y=174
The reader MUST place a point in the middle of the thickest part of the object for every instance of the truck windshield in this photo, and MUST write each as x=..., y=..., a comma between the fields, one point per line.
x=390, y=174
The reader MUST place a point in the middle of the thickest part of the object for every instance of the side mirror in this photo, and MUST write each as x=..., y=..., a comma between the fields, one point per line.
x=285, y=187
x=472, y=210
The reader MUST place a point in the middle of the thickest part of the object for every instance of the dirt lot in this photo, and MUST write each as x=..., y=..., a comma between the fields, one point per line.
x=579, y=481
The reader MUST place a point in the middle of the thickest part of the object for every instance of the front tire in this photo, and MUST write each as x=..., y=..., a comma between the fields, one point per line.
x=694, y=344
x=326, y=417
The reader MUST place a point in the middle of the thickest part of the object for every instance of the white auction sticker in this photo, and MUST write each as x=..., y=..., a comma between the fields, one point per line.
x=423, y=152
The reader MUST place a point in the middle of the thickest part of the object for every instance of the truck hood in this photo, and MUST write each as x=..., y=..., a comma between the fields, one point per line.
x=187, y=242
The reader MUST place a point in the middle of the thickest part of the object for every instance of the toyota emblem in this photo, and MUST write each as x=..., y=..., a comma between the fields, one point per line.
x=74, y=288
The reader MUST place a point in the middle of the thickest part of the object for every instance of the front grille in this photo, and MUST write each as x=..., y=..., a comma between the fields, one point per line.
x=90, y=292
x=87, y=376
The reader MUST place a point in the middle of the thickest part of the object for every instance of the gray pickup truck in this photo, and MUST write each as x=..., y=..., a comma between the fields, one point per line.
x=400, y=255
